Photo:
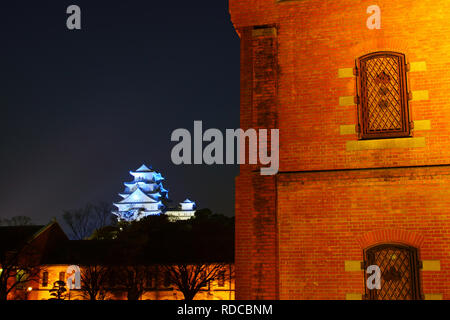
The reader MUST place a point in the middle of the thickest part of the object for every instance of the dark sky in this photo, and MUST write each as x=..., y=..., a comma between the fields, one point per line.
x=80, y=109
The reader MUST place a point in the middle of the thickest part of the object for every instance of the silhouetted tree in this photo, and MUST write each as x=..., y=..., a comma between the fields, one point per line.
x=18, y=268
x=203, y=214
x=190, y=278
x=105, y=233
x=94, y=280
x=133, y=279
x=16, y=221
x=191, y=253
x=85, y=221
x=58, y=292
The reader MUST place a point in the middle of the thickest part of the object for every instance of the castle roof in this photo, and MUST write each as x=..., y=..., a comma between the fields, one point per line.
x=138, y=196
x=144, y=168
x=133, y=183
x=142, y=171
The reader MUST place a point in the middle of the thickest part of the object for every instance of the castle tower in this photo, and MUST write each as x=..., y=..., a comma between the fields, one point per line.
x=361, y=96
x=143, y=196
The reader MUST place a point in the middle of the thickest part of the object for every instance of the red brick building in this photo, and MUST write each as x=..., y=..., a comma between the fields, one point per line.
x=364, y=118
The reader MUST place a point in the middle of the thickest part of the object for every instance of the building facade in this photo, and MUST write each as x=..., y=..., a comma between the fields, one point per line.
x=157, y=286
x=360, y=94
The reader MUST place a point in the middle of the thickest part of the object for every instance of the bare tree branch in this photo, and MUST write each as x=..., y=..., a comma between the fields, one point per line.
x=133, y=279
x=190, y=278
x=18, y=268
x=85, y=221
x=94, y=279
x=16, y=221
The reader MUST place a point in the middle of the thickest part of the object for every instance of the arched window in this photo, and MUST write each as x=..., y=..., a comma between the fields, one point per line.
x=383, y=96
x=399, y=267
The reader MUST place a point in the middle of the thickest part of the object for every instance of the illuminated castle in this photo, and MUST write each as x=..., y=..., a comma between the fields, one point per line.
x=145, y=196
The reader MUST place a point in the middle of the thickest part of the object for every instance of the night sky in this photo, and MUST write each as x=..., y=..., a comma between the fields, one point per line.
x=80, y=109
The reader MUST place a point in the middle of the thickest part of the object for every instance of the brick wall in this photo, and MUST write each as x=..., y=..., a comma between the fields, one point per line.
x=335, y=215
x=329, y=193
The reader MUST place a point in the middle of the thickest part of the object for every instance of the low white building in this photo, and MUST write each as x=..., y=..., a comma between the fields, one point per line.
x=185, y=211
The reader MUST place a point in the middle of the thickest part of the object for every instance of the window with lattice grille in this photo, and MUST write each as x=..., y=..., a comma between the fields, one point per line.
x=399, y=272
x=383, y=96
